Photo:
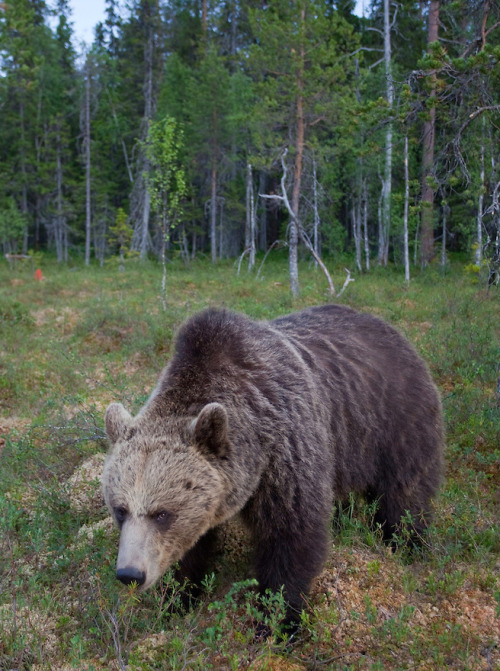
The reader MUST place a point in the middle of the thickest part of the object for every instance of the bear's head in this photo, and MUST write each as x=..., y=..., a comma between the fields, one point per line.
x=164, y=485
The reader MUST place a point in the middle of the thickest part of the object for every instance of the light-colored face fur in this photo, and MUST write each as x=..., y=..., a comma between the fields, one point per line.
x=163, y=490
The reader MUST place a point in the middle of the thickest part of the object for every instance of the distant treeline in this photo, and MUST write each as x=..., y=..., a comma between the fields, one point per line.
x=222, y=127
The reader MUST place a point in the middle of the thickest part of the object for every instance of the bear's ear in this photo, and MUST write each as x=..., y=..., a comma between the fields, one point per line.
x=210, y=431
x=117, y=420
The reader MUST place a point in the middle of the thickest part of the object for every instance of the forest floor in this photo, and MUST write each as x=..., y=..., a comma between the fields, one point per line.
x=81, y=338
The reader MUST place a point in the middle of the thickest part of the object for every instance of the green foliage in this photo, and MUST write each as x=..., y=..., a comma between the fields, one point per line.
x=166, y=181
x=120, y=235
x=12, y=225
x=239, y=85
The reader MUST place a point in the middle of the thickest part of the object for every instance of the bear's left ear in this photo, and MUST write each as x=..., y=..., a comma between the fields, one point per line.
x=116, y=420
x=210, y=430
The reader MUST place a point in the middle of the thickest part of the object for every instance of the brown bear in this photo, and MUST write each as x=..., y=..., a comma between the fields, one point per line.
x=273, y=421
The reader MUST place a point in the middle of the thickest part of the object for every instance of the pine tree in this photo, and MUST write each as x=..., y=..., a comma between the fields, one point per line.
x=303, y=70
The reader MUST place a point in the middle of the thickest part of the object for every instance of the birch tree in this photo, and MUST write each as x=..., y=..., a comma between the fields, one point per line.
x=166, y=181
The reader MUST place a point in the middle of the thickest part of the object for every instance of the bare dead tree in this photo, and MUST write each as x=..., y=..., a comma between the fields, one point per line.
x=297, y=225
x=365, y=225
x=356, y=229
x=250, y=219
x=405, y=216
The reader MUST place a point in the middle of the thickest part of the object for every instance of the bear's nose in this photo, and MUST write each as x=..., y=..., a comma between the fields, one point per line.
x=129, y=574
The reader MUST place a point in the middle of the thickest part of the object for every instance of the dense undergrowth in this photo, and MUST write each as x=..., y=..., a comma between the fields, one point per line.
x=83, y=337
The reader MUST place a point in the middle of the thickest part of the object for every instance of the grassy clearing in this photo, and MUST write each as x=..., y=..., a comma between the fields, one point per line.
x=84, y=337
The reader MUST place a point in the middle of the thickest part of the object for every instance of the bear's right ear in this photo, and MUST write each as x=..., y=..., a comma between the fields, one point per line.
x=210, y=430
x=116, y=420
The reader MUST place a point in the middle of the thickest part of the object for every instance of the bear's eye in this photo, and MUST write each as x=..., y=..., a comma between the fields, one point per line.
x=120, y=514
x=162, y=518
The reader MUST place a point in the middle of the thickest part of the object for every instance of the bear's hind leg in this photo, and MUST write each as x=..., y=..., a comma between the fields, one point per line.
x=403, y=515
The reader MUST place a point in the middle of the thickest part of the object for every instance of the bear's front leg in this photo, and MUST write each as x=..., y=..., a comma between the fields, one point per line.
x=195, y=565
x=291, y=558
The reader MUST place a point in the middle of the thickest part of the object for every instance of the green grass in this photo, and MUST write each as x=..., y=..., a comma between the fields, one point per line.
x=84, y=337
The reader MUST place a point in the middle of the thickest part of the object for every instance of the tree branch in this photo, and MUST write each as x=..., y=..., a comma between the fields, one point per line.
x=348, y=279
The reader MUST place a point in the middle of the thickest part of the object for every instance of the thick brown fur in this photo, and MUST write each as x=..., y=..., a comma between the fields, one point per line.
x=274, y=421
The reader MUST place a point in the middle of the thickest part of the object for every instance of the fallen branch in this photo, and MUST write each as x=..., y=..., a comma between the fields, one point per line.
x=348, y=279
x=245, y=252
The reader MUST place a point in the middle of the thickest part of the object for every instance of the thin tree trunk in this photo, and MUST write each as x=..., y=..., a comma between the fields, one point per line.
x=248, y=214
x=263, y=213
x=88, y=218
x=427, y=211
x=443, y=237
x=387, y=182
x=148, y=113
x=122, y=141
x=479, y=240
x=164, y=260
x=316, y=212
x=380, y=220
x=365, y=225
x=356, y=232
x=59, y=219
x=213, y=212
x=65, y=241
x=405, y=216
x=24, y=191
x=417, y=238
x=297, y=173
x=220, y=202
x=250, y=219
x=299, y=229
x=251, y=258
x=146, y=210
x=194, y=240
x=140, y=197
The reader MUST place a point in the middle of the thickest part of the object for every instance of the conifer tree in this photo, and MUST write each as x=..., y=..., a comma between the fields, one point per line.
x=21, y=35
x=302, y=67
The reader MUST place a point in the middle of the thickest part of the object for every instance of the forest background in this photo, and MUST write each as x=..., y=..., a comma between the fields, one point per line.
x=224, y=128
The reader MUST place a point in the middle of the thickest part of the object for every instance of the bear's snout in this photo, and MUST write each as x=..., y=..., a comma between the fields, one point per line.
x=129, y=574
